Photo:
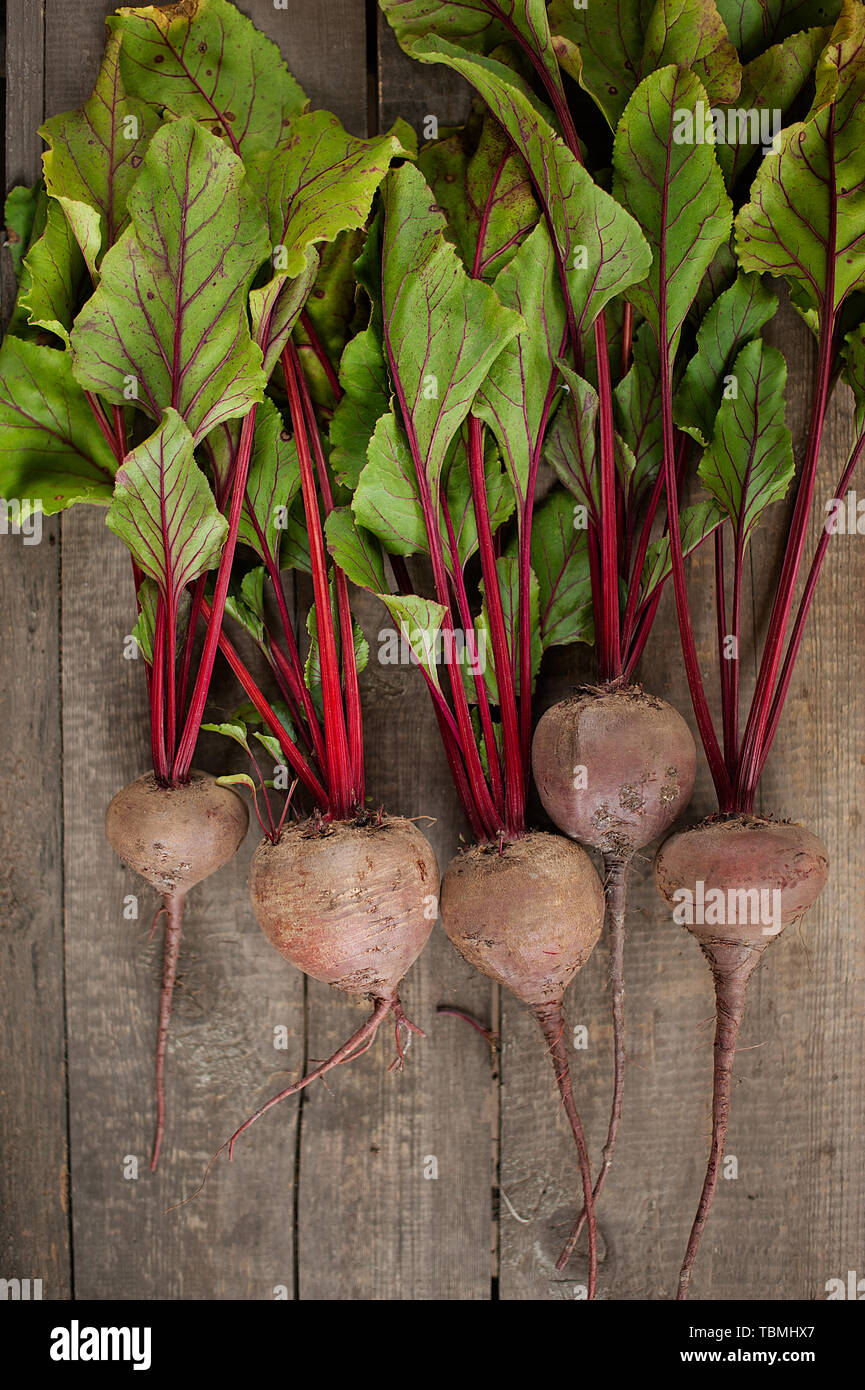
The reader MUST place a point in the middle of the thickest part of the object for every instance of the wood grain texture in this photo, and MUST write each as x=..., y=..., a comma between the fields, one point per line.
x=34, y=1203
x=396, y=1168
x=236, y=1240
x=333, y=1197
x=374, y=1223
x=795, y=1216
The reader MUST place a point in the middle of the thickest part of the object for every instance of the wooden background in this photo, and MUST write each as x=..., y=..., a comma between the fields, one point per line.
x=327, y=1199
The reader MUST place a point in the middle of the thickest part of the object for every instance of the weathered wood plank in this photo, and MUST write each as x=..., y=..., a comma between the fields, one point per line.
x=370, y=1223
x=373, y=1223
x=795, y=1214
x=414, y=91
x=379, y=1219
x=236, y=1240
x=34, y=1211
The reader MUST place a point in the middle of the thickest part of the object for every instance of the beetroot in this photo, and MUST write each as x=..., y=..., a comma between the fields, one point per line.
x=637, y=759
x=351, y=903
x=174, y=837
x=527, y=913
x=735, y=883
x=613, y=767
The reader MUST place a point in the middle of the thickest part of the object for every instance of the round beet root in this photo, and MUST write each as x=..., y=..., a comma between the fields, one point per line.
x=735, y=883
x=741, y=879
x=527, y=915
x=614, y=768
x=175, y=837
x=350, y=903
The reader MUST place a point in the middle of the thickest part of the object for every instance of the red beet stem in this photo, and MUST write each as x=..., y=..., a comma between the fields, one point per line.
x=616, y=868
x=172, y=907
x=552, y=1021
x=731, y=965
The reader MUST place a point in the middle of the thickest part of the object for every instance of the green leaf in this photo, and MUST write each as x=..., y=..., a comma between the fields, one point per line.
x=204, y=59
x=609, y=48
x=94, y=155
x=362, y=373
x=806, y=217
x=164, y=512
x=485, y=191
x=250, y=716
x=460, y=501
x=853, y=371
x=732, y=321
x=676, y=192
x=332, y=311
x=571, y=447
x=420, y=622
x=294, y=540
x=598, y=242
x=386, y=499
x=355, y=550
x=271, y=744
x=513, y=397
x=749, y=463
x=475, y=24
x=638, y=413
x=169, y=315
x=443, y=329
x=695, y=524
x=51, y=276
x=235, y=779
x=272, y=485
x=145, y=626
x=318, y=184
x=275, y=308
x=755, y=24
x=603, y=48
x=312, y=669
x=560, y=560
x=236, y=731
x=246, y=605
x=770, y=84
x=20, y=213
x=692, y=34
x=51, y=450
x=365, y=399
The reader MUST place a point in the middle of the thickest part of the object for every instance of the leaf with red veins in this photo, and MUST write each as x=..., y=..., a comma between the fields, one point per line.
x=164, y=512
x=674, y=188
x=51, y=452
x=319, y=183
x=205, y=59
x=599, y=245
x=477, y=25
x=94, y=156
x=168, y=324
x=806, y=217
x=749, y=463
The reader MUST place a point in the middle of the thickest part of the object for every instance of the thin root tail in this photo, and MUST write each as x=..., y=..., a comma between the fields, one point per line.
x=615, y=890
x=552, y=1021
x=731, y=964
x=359, y=1043
x=172, y=907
